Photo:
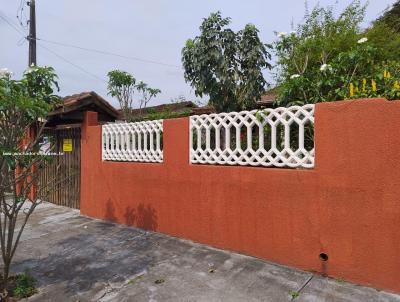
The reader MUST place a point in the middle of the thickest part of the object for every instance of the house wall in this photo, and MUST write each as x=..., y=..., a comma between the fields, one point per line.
x=347, y=207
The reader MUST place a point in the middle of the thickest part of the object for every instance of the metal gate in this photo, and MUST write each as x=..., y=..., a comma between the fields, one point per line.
x=63, y=171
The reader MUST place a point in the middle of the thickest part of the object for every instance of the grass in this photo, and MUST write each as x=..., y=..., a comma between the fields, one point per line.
x=294, y=294
x=136, y=279
x=24, y=286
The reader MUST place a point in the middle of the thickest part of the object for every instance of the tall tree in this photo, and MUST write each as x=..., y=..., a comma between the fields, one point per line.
x=391, y=17
x=23, y=104
x=225, y=65
x=123, y=86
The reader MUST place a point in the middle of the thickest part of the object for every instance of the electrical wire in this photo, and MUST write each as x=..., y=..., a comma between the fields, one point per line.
x=108, y=53
x=21, y=16
x=71, y=63
x=40, y=44
x=53, y=52
x=99, y=51
x=11, y=24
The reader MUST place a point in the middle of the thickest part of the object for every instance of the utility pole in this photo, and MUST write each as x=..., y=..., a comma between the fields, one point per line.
x=32, y=33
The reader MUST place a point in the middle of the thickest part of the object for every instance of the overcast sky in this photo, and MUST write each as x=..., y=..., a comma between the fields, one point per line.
x=151, y=30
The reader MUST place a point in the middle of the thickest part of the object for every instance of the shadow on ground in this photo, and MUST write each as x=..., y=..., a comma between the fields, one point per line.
x=76, y=258
x=99, y=255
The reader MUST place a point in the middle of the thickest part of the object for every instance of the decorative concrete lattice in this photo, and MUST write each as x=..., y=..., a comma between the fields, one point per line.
x=140, y=142
x=282, y=137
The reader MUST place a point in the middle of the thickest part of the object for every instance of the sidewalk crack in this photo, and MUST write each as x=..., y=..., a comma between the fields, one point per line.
x=294, y=296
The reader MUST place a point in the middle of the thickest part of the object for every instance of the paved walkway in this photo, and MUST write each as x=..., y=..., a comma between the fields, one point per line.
x=76, y=258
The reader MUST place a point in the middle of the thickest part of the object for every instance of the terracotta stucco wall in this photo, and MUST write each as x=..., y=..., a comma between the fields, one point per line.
x=348, y=206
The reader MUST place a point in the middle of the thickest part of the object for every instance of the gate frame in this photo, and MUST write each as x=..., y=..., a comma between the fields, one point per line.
x=78, y=111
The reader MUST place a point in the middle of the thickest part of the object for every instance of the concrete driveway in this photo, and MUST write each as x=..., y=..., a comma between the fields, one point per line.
x=76, y=258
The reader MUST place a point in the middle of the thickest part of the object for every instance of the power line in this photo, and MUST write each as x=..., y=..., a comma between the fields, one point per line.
x=53, y=52
x=21, y=16
x=99, y=51
x=11, y=24
x=15, y=27
x=108, y=53
x=71, y=63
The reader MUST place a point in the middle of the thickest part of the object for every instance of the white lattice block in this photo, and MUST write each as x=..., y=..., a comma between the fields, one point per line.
x=139, y=142
x=281, y=137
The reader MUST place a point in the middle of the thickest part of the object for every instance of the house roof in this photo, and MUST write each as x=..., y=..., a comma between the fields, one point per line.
x=178, y=109
x=190, y=108
x=72, y=107
x=267, y=100
x=82, y=100
x=163, y=107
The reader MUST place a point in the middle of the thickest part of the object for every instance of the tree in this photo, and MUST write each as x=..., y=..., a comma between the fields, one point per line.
x=122, y=85
x=391, y=17
x=147, y=94
x=225, y=65
x=385, y=33
x=24, y=105
x=331, y=58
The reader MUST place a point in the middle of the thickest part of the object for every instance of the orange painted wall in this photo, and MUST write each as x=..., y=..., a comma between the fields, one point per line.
x=348, y=206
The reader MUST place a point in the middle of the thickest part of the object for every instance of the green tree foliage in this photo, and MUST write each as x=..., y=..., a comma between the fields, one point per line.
x=391, y=17
x=24, y=104
x=330, y=58
x=225, y=65
x=147, y=93
x=386, y=40
x=122, y=85
x=385, y=33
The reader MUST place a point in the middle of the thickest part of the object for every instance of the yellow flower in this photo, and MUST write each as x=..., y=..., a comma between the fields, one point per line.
x=364, y=83
x=396, y=85
x=388, y=74
x=373, y=84
x=351, y=90
x=384, y=74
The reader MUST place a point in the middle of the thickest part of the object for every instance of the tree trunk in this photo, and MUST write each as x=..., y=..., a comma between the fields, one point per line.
x=6, y=272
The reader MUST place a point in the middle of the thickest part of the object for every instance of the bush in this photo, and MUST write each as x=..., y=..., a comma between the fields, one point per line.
x=25, y=286
x=383, y=82
x=330, y=58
